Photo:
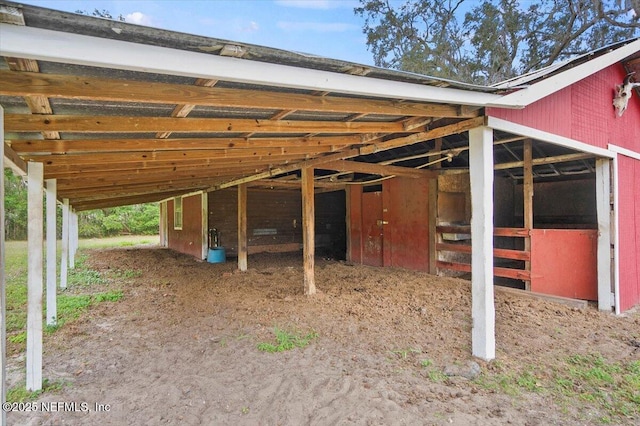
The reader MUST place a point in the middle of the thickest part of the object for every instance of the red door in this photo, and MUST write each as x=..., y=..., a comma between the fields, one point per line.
x=372, y=228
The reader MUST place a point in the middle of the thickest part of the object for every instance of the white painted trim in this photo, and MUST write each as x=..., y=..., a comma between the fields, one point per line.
x=554, y=83
x=3, y=295
x=64, y=257
x=530, y=132
x=35, y=240
x=51, y=252
x=483, y=338
x=56, y=46
x=616, y=234
x=624, y=151
x=205, y=222
x=73, y=237
x=603, y=208
x=164, y=224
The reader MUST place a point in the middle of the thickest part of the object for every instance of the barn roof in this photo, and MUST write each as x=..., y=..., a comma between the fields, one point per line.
x=122, y=114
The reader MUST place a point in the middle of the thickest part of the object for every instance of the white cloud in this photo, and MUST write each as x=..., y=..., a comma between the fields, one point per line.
x=317, y=4
x=251, y=27
x=320, y=27
x=138, y=18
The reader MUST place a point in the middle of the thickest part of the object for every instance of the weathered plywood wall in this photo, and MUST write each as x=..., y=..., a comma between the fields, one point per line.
x=274, y=220
x=188, y=240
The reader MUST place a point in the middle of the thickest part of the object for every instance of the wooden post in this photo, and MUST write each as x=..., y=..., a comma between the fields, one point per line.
x=162, y=231
x=433, y=212
x=64, y=258
x=51, y=251
x=242, y=227
x=603, y=208
x=3, y=296
x=73, y=237
x=205, y=225
x=308, y=230
x=482, y=304
x=35, y=276
x=528, y=201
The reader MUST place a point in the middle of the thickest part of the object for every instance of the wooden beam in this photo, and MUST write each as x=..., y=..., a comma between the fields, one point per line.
x=308, y=230
x=369, y=149
x=375, y=169
x=182, y=110
x=63, y=146
x=482, y=304
x=545, y=160
x=34, y=277
x=14, y=158
x=129, y=124
x=76, y=87
x=81, y=204
x=527, y=189
x=242, y=228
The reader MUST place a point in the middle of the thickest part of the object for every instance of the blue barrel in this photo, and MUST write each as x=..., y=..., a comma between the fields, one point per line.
x=217, y=255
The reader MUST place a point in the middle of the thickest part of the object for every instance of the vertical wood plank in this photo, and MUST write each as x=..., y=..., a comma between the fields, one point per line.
x=528, y=200
x=3, y=295
x=482, y=305
x=242, y=227
x=64, y=257
x=603, y=209
x=204, y=228
x=433, y=212
x=51, y=251
x=308, y=231
x=35, y=241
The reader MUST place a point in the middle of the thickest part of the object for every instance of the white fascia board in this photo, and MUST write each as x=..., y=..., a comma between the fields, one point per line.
x=530, y=132
x=624, y=151
x=546, y=87
x=55, y=46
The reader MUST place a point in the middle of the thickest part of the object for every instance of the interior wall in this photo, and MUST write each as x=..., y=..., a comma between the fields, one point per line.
x=564, y=204
x=274, y=221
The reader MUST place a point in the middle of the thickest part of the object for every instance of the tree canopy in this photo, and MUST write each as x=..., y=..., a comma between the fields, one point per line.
x=488, y=41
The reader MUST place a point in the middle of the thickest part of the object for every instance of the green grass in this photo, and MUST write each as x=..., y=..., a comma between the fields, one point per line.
x=70, y=304
x=19, y=392
x=287, y=340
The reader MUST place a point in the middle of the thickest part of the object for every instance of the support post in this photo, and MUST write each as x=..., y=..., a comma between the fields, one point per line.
x=51, y=251
x=242, y=227
x=527, y=188
x=64, y=258
x=73, y=237
x=308, y=230
x=205, y=225
x=603, y=209
x=482, y=305
x=35, y=241
x=3, y=295
x=433, y=212
x=162, y=231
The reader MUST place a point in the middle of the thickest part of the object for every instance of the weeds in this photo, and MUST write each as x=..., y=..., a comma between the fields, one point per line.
x=286, y=341
x=19, y=392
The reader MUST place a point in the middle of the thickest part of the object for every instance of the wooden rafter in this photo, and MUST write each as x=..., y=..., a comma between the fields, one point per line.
x=76, y=87
x=129, y=124
x=375, y=169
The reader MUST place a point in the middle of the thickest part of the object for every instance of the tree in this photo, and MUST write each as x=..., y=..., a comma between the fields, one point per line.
x=492, y=40
x=101, y=14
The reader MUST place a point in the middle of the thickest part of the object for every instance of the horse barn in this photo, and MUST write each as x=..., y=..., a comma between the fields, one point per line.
x=532, y=183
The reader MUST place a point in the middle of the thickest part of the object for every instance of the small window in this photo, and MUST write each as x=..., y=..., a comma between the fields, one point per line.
x=177, y=213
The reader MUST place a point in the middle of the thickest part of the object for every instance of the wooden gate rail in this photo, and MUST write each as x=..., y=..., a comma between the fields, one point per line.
x=517, y=274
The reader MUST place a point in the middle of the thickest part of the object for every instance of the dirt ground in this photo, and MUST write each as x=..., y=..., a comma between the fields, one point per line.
x=181, y=348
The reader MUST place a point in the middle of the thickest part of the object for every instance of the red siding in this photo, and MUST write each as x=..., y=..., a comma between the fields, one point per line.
x=583, y=112
x=629, y=231
x=189, y=239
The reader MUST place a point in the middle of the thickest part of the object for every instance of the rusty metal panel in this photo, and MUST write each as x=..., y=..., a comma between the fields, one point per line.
x=372, y=228
x=564, y=262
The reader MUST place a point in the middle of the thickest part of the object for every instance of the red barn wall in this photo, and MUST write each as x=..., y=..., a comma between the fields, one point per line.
x=629, y=231
x=188, y=240
x=583, y=112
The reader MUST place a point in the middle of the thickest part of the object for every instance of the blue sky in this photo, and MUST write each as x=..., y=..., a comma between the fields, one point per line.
x=321, y=27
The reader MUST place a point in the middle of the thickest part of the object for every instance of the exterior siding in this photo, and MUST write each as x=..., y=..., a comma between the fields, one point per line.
x=583, y=112
x=188, y=240
x=629, y=231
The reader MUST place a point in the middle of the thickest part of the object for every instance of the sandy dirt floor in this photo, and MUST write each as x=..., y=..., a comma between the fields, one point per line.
x=181, y=348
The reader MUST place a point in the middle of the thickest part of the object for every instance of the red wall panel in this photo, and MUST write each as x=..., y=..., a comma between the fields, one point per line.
x=189, y=239
x=629, y=231
x=583, y=112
